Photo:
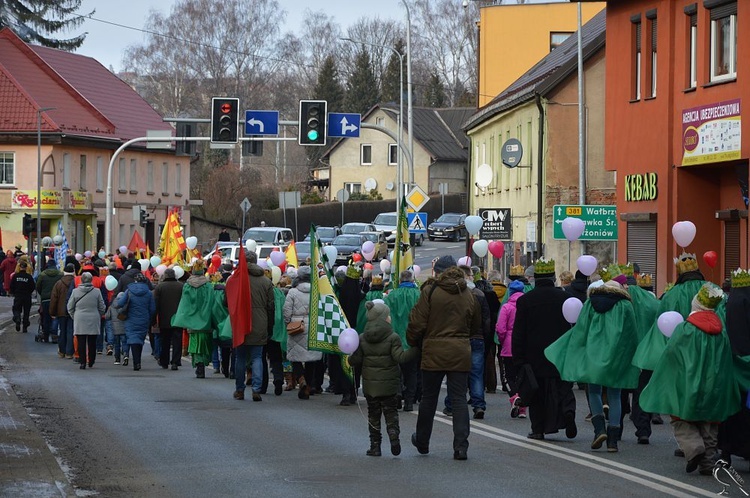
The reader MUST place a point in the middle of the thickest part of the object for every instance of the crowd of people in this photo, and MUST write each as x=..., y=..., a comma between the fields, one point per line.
x=475, y=332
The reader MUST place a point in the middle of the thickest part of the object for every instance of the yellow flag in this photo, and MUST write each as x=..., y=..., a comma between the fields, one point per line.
x=291, y=255
x=172, y=242
x=402, y=251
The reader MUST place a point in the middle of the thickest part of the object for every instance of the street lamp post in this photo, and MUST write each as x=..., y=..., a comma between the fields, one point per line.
x=409, y=111
x=39, y=185
x=400, y=173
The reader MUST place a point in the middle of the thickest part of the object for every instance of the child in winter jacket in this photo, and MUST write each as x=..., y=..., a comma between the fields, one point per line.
x=379, y=354
x=118, y=329
x=504, y=331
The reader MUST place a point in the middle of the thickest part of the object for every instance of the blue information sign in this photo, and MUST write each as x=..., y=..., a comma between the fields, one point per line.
x=343, y=124
x=261, y=123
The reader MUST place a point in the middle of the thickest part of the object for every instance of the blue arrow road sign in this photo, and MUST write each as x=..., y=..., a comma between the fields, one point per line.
x=261, y=123
x=417, y=222
x=343, y=124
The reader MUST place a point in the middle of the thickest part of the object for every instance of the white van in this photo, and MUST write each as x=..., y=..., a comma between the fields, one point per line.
x=268, y=238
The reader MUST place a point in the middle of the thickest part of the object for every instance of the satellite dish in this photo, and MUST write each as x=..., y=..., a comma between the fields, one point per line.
x=389, y=186
x=370, y=184
x=484, y=175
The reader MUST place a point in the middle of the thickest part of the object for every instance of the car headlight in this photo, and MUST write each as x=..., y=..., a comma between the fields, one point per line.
x=449, y=229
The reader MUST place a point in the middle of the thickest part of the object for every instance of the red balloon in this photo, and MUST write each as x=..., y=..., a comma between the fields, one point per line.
x=496, y=248
x=368, y=266
x=710, y=258
x=356, y=257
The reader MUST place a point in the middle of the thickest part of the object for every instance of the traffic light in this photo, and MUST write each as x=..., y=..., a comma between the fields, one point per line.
x=29, y=225
x=224, y=121
x=252, y=148
x=186, y=148
x=312, y=122
x=144, y=217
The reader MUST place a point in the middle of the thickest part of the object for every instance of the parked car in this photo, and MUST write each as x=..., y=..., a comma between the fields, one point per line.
x=346, y=245
x=268, y=238
x=303, y=250
x=449, y=226
x=386, y=222
x=355, y=228
x=326, y=234
x=227, y=250
x=381, y=245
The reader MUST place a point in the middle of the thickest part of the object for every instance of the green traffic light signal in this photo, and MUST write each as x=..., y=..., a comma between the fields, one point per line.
x=312, y=135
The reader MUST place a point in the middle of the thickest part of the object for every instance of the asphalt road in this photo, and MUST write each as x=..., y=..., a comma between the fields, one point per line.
x=424, y=254
x=121, y=433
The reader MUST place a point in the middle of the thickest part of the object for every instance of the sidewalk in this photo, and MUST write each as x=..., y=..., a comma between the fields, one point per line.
x=27, y=466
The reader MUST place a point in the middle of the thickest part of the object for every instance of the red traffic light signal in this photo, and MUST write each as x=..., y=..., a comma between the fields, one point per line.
x=224, y=122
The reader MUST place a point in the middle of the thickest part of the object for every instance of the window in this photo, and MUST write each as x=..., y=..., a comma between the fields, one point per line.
x=651, y=16
x=7, y=168
x=353, y=188
x=637, y=61
x=121, y=175
x=724, y=42
x=392, y=154
x=178, y=179
x=693, y=44
x=133, y=175
x=99, y=173
x=66, y=170
x=380, y=121
x=150, y=177
x=82, y=182
x=165, y=178
x=556, y=39
x=365, y=154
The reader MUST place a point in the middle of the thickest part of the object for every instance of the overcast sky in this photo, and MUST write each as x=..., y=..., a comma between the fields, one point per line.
x=106, y=42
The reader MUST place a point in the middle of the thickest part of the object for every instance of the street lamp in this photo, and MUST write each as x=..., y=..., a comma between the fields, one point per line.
x=39, y=184
x=409, y=92
x=400, y=173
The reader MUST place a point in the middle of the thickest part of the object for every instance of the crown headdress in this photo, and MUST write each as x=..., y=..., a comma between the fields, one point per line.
x=710, y=295
x=740, y=278
x=516, y=271
x=627, y=269
x=686, y=262
x=644, y=280
x=544, y=267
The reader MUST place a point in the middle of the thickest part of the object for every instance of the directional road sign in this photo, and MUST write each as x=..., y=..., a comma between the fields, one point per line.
x=417, y=198
x=417, y=222
x=600, y=221
x=343, y=124
x=261, y=123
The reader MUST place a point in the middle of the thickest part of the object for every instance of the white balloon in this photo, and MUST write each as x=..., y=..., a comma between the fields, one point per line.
x=683, y=233
x=178, y=272
x=124, y=250
x=57, y=240
x=155, y=261
x=102, y=254
x=331, y=253
x=573, y=228
x=144, y=264
x=473, y=224
x=480, y=248
x=269, y=263
x=275, y=275
x=251, y=245
x=385, y=265
x=587, y=264
x=160, y=269
x=464, y=261
x=110, y=282
x=191, y=242
x=416, y=270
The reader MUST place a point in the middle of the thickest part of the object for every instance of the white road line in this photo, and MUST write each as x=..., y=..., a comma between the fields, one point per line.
x=591, y=461
x=428, y=249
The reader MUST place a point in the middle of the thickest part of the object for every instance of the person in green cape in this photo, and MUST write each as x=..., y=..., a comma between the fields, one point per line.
x=694, y=381
x=677, y=298
x=401, y=301
x=598, y=350
x=195, y=313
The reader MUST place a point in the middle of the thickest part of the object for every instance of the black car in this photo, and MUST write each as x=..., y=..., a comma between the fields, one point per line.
x=449, y=226
x=346, y=245
x=303, y=250
x=326, y=234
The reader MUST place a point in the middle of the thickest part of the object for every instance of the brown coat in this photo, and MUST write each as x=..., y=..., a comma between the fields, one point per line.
x=58, y=298
x=442, y=321
x=264, y=307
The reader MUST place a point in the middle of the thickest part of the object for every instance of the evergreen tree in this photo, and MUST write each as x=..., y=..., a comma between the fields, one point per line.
x=434, y=94
x=328, y=88
x=31, y=20
x=390, y=87
x=362, y=89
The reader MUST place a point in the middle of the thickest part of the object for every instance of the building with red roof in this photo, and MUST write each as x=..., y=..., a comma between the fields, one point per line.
x=84, y=113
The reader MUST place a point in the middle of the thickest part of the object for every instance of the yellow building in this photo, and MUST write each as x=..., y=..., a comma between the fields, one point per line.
x=514, y=37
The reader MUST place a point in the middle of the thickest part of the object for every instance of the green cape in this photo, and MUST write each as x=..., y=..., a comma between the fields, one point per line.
x=694, y=379
x=401, y=301
x=679, y=298
x=219, y=313
x=195, y=311
x=279, y=326
x=645, y=305
x=599, y=348
x=362, y=312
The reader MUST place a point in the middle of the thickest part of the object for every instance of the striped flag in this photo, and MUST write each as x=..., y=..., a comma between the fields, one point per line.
x=61, y=251
x=172, y=242
x=402, y=253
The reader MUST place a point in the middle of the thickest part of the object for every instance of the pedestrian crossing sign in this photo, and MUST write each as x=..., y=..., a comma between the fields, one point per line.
x=417, y=222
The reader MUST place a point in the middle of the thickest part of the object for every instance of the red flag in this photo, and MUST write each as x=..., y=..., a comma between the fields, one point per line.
x=239, y=302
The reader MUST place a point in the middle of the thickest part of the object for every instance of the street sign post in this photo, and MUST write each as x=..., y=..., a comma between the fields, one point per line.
x=600, y=221
x=342, y=195
x=343, y=124
x=245, y=206
x=417, y=222
x=261, y=123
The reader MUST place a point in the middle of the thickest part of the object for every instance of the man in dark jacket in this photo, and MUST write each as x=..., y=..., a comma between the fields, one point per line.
x=442, y=321
x=578, y=287
x=539, y=323
x=167, y=297
x=44, y=285
x=22, y=287
x=58, y=308
x=264, y=310
x=128, y=278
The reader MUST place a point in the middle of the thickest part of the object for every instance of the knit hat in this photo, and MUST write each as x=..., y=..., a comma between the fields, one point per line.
x=70, y=268
x=443, y=263
x=740, y=278
x=303, y=274
x=708, y=297
x=515, y=286
x=620, y=279
x=377, y=310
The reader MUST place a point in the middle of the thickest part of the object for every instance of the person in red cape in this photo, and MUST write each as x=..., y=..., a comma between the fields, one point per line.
x=239, y=303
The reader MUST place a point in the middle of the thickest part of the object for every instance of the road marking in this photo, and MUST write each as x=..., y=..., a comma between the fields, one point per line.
x=591, y=461
x=429, y=249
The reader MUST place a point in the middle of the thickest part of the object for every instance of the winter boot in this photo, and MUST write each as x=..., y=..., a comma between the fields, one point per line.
x=612, y=432
x=600, y=432
x=374, y=449
x=200, y=371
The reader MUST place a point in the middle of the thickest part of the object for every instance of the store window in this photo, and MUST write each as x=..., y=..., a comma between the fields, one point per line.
x=724, y=42
x=7, y=168
x=365, y=154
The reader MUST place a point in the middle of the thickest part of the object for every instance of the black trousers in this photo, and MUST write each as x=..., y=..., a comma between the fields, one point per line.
x=409, y=372
x=490, y=371
x=309, y=370
x=510, y=372
x=431, y=382
x=641, y=419
x=87, y=349
x=378, y=407
x=272, y=355
x=553, y=403
x=170, y=337
x=22, y=309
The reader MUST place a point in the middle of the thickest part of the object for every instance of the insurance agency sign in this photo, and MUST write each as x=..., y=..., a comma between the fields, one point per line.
x=712, y=133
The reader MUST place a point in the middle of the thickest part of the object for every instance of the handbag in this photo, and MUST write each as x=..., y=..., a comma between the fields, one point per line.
x=295, y=328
